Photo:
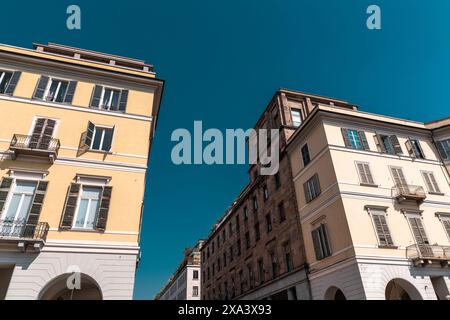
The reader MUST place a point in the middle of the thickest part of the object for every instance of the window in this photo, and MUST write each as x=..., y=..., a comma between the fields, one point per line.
x=296, y=116
x=355, y=139
x=415, y=221
x=5, y=78
x=195, y=291
x=224, y=259
x=19, y=204
x=446, y=223
x=247, y=240
x=444, y=148
x=102, y=138
x=250, y=275
x=245, y=214
x=224, y=234
x=365, y=176
x=312, y=188
x=305, y=155
x=195, y=275
x=399, y=179
x=320, y=241
x=219, y=265
x=277, y=180
x=257, y=232
x=388, y=144
x=88, y=205
x=56, y=90
x=212, y=247
x=237, y=224
x=381, y=227
x=281, y=212
x=213, y=269
x=238, y=247
x=111, y=99
x=231, y=253
x=288, y=256
x=414, y=148
x=255, y=204
x=431, y=182
x=274, y=264
x=265, y=192
x=269, y=223
x=261, y=271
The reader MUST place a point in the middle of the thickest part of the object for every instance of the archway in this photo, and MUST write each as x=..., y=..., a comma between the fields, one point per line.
x=58, y=289
x=334, y=293
x=400, y=289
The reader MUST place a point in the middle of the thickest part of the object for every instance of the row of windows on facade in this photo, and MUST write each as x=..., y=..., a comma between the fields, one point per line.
x=21, y=201
x=222, y=236
x=56, y=90
x=246, y=278
x=389, y=144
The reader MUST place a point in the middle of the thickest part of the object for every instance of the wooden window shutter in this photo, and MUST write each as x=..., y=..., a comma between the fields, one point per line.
x=426, y=177
x=379, y=143
x=96, y=95
x=103, y=211
x=5, y=187
x=395, y=144
x=410, y=148
x=13, y=82
x=123, y=100
x=418, y=231
x=347, y=142
x=446, y=224
x=40, y=89
x=307, y=193
x=36, y=208
x=384, y=235
x=434, y=183
x=363, y=140
x=89, y=134
x=317, y=245
x=316, y=184
x=70, y=92
x=325, y=242
x=70, y=206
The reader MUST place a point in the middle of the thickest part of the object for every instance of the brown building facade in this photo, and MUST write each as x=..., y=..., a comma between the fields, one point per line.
x=256, y=250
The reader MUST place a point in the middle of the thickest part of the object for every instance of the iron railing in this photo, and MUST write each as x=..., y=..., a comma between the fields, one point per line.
x=20, y=229
x=407, y=191
x=20, y=141
x=428, y=252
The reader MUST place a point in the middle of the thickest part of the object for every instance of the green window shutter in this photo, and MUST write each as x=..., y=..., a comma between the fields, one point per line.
x=441, y=150
x=5, y=187
x=418, y=231
x=40, y=89
x=410, y=148
x=363, y=140
x=379, y=143
x=70, y=206
x=103, y=211
x=70, y=92
x=36, y=208
x=347, y=142
x=89, y=135
x=395, y=144
x=446, y=224
x=123, y=100
x=381, y=227
x=96, y=95
x=13, y=83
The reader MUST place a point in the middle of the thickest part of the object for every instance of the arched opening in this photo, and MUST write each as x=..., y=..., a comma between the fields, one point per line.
x=400, y=289
x=71, y=286
x=334, y=293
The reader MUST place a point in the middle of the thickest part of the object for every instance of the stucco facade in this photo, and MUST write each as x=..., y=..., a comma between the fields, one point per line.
x=78, y=125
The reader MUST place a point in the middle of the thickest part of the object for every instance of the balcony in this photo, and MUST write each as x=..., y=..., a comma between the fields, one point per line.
x=19, y=234
x=405, y=192
x=34, y=146
x=423, y=255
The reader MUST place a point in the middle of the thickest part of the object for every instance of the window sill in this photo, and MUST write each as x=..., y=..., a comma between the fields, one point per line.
x=368, y=185
x=100, y=151
x=437, y=193
x=103, y=109
x=387, y=247
x=84, y=230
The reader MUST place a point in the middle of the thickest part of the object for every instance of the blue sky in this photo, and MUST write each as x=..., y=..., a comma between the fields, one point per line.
x=222, y=62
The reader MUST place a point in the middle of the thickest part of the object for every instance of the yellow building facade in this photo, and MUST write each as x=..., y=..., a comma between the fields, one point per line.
x=75, y=137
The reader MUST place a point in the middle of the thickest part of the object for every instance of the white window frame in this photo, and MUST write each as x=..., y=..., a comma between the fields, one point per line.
x=49, y=84
x=371, y=173
x=104, y=88
x=294, y=110
x=2, y=75
x=33, y=124
x=102, y=138
x=10, y=195
x=74, y=222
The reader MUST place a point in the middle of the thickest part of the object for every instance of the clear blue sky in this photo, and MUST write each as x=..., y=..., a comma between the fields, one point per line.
x=223, y=60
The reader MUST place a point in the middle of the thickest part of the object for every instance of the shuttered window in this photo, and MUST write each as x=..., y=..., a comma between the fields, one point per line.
x=55, y=90
x=365, y=175
x=305, y=155
x=320, y=241
x=97, y=138
x=431, y=182
x=312, y=188
x=355, y=139
x=418, y=230
x=8, y=81
x=381, y=227
x=86, y=207
x=415, y=149
x=388, y=144
x=41, y=137
x=399, y=179
x=110, y=99
x=446, y=223
x=444, y=148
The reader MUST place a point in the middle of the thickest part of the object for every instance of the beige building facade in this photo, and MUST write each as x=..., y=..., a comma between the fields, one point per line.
x=374, y=204
x=75, y=137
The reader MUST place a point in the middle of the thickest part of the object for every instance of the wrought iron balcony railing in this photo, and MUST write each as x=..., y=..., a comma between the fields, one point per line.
x=425, y=254
x=32, y=145
x=403, y=192
x=19, y=229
